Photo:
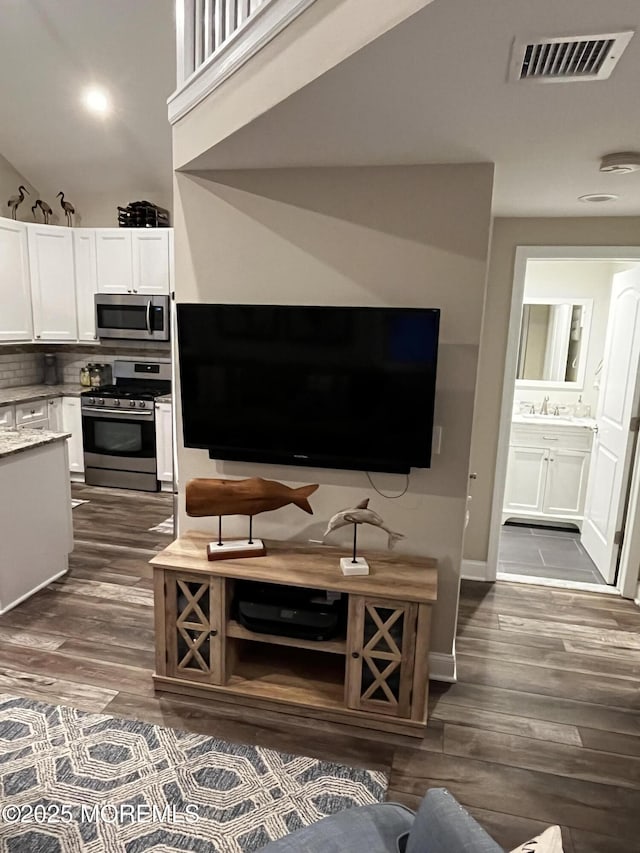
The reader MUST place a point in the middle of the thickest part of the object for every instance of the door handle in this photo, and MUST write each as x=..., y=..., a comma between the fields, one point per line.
x=550, y=438
x=148, y=316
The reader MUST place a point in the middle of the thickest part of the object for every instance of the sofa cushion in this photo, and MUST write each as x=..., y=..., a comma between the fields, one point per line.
x=443, y=826
x=364, y=829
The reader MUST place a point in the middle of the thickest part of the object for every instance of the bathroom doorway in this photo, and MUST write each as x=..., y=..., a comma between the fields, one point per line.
x=565, y=484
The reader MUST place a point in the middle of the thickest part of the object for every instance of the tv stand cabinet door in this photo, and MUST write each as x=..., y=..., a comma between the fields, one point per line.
x=193, y=625
x=381, y=646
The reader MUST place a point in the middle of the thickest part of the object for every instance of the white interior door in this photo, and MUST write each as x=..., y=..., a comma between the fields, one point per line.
x=613, y=445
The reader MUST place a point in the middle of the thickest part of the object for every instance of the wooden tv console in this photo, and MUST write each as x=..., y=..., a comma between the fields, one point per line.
x=376, y=676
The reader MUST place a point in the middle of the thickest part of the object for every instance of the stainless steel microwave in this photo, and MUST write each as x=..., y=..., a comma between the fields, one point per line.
x=132, y=316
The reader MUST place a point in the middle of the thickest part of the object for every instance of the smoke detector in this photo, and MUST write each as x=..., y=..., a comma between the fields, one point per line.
x=621, y=163
x=567, y=58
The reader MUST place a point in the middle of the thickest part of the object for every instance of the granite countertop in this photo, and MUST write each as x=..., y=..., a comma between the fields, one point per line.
x=29, y=393
x=166, y=398
x=18, y=440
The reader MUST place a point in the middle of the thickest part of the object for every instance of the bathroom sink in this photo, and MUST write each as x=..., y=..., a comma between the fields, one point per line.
x=554, y=420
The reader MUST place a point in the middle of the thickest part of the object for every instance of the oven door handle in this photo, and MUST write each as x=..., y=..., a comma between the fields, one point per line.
x=148, y=316
x=123, y=413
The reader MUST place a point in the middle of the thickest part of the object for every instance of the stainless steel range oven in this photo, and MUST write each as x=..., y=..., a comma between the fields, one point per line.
x=119, y=426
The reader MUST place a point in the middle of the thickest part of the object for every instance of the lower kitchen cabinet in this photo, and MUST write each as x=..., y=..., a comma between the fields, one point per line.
x=72, y=422
x=164, y=442
x=7, y=417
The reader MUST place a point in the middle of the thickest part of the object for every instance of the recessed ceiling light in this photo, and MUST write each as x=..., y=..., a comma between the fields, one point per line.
x=620, y=163
x=597, y=197
x=96, y=100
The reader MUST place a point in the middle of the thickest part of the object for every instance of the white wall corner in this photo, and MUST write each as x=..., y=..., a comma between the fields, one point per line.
x=474, y=570
x=442, y=667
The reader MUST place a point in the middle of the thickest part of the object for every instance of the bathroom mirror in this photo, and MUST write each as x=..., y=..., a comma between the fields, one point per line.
x=554, y=339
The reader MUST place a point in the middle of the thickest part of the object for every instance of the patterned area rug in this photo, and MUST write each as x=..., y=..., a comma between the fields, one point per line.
x=72, y=782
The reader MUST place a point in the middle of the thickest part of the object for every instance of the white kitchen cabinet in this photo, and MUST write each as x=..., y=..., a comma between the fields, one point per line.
x=164, y=442
x=7, y=417
x=28, y=414
x=114, y=265
x=547, y=472
x=72, y=422
x=53, y=291
x=55, y=414
x=15, y=294
x=150, y=248
x=84, y=248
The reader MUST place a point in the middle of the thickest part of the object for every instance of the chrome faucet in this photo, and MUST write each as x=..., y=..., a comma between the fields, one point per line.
x=544, y=408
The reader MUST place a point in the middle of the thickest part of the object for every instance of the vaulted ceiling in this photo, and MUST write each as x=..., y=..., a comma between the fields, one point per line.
x=49, y=51
x=433, y=90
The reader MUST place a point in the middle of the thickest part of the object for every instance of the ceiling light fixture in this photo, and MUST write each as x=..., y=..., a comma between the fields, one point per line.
x=96, y=100
x=598, y=197
x=620, y=163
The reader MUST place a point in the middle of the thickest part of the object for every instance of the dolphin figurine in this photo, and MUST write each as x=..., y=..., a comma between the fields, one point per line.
x=361, y=514
x=206, y=496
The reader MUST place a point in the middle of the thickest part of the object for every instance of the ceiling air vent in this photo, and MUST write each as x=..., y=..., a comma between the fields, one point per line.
x=555, y=60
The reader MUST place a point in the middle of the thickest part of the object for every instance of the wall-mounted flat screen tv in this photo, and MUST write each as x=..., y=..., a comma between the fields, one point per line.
x=330, y=387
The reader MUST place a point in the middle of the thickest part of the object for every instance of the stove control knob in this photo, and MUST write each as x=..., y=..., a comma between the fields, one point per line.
x=91, y=401
x=142, y=404
x=100, y=401
x=116, y=402
x=132, y=404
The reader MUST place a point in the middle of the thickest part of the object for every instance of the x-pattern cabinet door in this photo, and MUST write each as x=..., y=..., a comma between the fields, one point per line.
x=381, y=646
x=193, y=622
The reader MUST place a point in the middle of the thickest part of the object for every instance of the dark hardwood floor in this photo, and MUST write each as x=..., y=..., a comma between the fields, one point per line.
x=543, y=725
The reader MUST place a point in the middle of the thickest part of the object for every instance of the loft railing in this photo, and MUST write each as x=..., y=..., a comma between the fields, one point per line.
x=203, y=26
x=215, y=37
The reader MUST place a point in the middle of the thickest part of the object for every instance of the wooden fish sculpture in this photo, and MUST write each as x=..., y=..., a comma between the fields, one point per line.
x=243, y=497
x=361, y=514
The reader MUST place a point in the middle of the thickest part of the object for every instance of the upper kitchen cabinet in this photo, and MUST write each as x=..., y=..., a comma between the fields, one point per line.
x=133, y=260
x=114, y=267
x=15, y=295
x=84, y=245
x=53, y=290
x=151, y=260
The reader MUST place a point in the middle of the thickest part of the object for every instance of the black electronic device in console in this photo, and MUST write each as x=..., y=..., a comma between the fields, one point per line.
x=289, y=611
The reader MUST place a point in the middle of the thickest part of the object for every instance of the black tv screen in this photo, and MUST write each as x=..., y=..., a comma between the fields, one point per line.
x=334, y=387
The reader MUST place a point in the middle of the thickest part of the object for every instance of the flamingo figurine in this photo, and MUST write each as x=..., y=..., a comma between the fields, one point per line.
x=44, y=207
x=16, y=200
x=68, y=208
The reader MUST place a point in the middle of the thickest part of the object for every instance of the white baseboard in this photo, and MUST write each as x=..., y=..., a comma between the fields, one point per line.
x=442, y=667
x=474, y=570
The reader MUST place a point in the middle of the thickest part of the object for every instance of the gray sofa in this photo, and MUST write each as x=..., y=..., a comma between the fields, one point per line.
x=441, y=825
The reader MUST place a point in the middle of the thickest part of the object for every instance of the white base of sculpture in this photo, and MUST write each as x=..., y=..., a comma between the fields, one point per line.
x=235, y=548
x=349, y=567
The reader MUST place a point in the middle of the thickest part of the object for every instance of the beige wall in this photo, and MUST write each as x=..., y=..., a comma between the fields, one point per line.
x=10, y=180
x=508, y=234
x=414, y=236
x=100, y=210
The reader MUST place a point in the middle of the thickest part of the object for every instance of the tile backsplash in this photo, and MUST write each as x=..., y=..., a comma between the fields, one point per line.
x=21, y=368
x=24, y=364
